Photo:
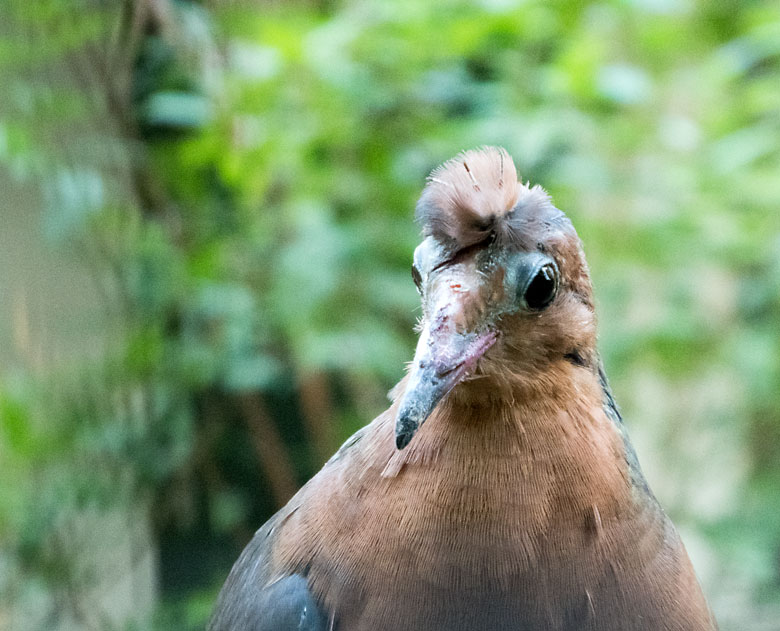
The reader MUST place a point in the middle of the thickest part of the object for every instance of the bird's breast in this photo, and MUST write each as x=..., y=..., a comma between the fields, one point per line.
x=485, y=519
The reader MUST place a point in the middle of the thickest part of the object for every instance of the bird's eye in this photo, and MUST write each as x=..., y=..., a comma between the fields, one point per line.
x=417, y=278
x=542, y=288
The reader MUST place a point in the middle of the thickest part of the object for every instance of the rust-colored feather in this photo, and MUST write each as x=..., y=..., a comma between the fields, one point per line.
x=479, y=507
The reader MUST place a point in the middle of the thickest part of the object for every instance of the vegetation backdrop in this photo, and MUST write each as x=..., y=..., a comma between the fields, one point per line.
x=205, y=239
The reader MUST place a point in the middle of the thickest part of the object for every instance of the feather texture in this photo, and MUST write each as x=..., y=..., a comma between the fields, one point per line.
x=467, y=197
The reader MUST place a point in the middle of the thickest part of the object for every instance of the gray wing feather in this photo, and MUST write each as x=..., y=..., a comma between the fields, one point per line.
x=249, y=602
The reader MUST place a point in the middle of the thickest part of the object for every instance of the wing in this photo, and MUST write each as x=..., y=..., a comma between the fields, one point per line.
x=251, y=600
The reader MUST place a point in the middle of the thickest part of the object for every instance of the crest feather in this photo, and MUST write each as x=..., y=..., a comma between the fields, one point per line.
x=466, y=198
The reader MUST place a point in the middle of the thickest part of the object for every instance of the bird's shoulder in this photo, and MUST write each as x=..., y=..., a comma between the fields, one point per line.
x=253, y=599
x=257, y=597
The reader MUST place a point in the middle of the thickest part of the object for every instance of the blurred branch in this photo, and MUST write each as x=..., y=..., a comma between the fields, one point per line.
x=271, y=452
x=317, y=409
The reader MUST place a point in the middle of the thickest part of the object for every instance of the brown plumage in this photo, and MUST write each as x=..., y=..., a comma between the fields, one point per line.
x=469, y=196
x=499, y=490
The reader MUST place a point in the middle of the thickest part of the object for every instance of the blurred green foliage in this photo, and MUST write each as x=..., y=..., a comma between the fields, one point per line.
x=235, y=182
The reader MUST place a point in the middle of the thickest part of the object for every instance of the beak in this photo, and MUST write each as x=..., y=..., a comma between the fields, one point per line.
x=446, y=354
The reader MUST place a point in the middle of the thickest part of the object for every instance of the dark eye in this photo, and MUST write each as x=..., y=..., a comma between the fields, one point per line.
x=541, y=290
x=417, y=279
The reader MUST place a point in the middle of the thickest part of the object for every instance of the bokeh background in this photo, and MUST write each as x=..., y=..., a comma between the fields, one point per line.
x=205, y=239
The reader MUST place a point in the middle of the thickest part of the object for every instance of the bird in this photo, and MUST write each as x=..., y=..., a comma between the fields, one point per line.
x=499, y=491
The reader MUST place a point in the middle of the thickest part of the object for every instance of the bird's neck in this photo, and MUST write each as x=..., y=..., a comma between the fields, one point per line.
x=551, y=439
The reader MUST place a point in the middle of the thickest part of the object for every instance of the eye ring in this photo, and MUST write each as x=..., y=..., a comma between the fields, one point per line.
x=542, y=287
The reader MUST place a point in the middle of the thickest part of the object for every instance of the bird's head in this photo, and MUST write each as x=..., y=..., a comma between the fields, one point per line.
x=504, y=285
